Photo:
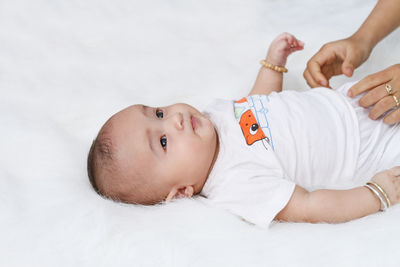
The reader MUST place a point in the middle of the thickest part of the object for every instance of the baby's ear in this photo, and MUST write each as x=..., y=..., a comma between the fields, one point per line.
x=176, y=192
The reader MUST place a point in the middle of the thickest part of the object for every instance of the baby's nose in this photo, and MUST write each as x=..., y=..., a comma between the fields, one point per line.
x=177, y=121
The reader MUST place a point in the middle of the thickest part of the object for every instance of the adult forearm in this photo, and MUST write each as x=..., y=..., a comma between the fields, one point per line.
x=383, y=19
x=335, y=206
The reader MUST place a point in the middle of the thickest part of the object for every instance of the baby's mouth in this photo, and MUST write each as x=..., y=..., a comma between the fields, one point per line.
x=194, y=122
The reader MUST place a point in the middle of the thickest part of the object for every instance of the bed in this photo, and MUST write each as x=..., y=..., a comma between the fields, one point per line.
x=66, y=66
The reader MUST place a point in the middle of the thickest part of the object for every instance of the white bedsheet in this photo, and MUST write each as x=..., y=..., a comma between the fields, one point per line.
x=66, y=66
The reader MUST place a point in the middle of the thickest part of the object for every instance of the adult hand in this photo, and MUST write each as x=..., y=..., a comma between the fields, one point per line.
x=389, y=180
x=378, y=96
x=334, y=58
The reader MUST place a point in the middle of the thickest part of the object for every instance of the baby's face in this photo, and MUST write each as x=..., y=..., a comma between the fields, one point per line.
x=176, y=145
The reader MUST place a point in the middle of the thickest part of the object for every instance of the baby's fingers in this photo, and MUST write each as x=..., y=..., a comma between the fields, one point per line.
x=293, y=41
x=290, y=38
x=298, y=43
x=295, y=48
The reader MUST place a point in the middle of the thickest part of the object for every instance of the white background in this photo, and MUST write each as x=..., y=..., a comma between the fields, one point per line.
x=66, y=66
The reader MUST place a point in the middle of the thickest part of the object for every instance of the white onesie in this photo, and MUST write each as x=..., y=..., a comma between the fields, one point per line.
x=318, y=139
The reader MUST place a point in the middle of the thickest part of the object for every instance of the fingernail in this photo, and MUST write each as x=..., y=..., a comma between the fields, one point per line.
x=349, y=71
x=349, y=93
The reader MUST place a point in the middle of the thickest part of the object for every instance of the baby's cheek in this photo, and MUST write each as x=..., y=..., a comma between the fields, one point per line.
x=187, y=146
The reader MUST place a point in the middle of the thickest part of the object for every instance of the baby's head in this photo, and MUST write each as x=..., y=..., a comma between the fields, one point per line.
x=145, y=155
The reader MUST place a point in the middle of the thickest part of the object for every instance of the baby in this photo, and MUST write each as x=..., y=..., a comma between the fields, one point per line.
x=286, y=156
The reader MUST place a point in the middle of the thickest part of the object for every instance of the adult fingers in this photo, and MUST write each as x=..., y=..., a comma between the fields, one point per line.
x=370, y=82
x=383, y=105
x=373, y=96
x=314, y=67
x=393, y=117
x=348, y=66
x=310, y=80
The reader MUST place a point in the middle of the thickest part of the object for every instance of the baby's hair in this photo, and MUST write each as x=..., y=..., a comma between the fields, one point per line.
x=90, y=167
x=107, y=179
x=100, y=157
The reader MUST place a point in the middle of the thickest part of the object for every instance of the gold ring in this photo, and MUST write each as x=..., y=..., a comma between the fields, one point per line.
x=396, y=100
x=388, y=89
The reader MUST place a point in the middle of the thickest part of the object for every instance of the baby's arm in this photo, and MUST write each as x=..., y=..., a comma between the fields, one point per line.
x=269, y=80
x=336, y=206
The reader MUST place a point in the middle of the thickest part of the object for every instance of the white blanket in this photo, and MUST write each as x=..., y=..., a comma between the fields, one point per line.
x=66, y=66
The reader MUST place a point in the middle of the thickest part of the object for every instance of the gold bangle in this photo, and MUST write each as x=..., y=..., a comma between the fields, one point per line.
x=375, y=191
x=273, y=67
x=381, y=191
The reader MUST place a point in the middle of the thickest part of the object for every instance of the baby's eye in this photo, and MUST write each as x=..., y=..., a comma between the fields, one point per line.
x=163, y=142
x=159, y=113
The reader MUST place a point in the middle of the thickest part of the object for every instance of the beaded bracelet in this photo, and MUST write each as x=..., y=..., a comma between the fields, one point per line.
x=273, y=67
x=383, y=203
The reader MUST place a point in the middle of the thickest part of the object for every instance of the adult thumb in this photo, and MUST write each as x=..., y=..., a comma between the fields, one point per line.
x=347, y=68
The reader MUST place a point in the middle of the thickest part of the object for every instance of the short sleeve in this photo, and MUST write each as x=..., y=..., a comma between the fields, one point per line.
x=256, y=198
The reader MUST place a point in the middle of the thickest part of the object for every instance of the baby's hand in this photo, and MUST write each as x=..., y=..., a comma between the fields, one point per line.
x=282, y=47
x=389, y=180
